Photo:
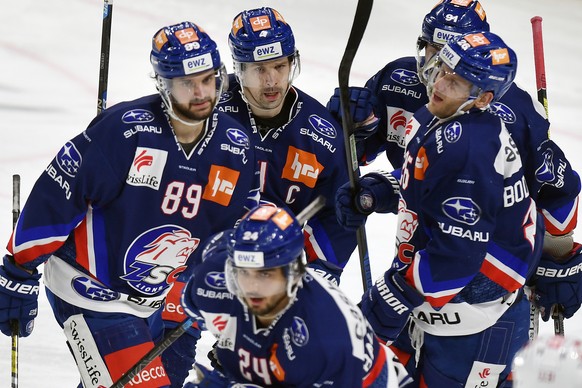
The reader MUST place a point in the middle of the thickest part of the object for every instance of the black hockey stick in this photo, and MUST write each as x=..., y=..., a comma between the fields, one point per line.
x=14, y=323
x=309, y=211
x=540, y=67
x=363, y=11
x=104, y=57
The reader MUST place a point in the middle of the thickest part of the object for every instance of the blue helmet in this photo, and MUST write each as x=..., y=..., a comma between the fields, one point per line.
x=183, y=49
x=267, y=237
x=260, y=34
x=483, y=59
x=452, y=18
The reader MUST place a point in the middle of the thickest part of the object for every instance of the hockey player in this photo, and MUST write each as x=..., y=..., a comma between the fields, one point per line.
x=549, y=362
x=117, y=213
x=299, y=145
x=399, y=89
x=468, y=233
x=278, y=323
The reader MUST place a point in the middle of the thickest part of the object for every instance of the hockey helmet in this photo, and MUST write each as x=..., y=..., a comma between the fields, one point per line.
x=267, y=237
x=482, y=58
x=549, y=361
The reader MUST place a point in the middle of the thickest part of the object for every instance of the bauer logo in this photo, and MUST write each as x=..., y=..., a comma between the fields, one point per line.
x=69, y=159
x=197, y=64
x=156, y=257
x=405, y=77
x=269, y=51
x=452, y=132
x=322, y=126
x=137, y=116
x=147, y=168
x=90, y=289
x=238, y=137
x=503, y=112
x=462, y=209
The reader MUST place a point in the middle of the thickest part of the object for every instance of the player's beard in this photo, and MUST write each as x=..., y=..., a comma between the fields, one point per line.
x=271, y=308
x=191, y=112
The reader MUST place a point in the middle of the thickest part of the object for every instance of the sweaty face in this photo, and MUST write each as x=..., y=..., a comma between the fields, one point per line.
x=448, y=91
x=193, y=97
x=264, y=291
x=266, y=83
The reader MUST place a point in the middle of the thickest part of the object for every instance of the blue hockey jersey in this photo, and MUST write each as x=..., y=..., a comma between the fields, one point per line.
x=321, y=339
x=551, y=180
x=300, y=160
x=467, y=229
x=122, y=206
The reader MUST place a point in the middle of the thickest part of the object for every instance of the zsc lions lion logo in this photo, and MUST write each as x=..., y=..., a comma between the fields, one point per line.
x=156, y=257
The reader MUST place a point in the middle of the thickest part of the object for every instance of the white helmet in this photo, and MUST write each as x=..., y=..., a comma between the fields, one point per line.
x=549, y=361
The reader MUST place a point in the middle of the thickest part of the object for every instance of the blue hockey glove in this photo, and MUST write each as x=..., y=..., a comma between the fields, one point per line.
x=388, y=304
x=206, y=378
x=180, y=356
x=559, y=282
x=18, y=297
x=361, y=109
x=378, y=192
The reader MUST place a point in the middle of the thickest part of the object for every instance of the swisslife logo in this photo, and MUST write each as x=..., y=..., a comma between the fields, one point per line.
x=147, y=167
x=221, y=184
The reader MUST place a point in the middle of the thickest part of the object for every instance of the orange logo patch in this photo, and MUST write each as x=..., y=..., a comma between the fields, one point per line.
x=236, y=25
x=283, y=219
x=186, y=35
x=480, y=11
x=279, y=17
x=160, y=40
x=499, y=56
x=462, y=3
x=302, y=166
x=420, y=164
x=259, y=23
x=221, y=184
x=476, y=40
x=263, y=213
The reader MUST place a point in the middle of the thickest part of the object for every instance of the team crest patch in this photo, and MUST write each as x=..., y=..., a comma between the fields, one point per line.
x=69, y=159
x=156, y=257
x=453, y=132
x=137, y=116
x=299, y=332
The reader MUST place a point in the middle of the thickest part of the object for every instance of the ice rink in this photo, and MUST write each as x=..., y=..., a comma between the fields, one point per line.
x=49, y=70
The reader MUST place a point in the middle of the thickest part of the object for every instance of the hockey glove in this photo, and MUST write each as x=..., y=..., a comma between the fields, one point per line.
x=18, y=297
x=559, y=282
x=388, y=304
x=377, y=192
x=361, y=109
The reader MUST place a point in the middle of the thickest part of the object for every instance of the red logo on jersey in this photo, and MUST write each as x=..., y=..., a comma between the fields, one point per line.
x=143, y=159
x=221, y=184
x=302, y=167
x=219, y=322
x=398, y=119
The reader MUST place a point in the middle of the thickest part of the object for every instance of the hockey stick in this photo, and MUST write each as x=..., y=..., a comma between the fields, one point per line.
x=177, y=332
x=14, y=323
x=540, y=67
x=363, y=11
x=104, y=57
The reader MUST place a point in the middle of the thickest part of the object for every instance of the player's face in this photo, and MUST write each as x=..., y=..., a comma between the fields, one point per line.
x=266, y=83
x=194, y=96
x=263, y=290
x=448, y=92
